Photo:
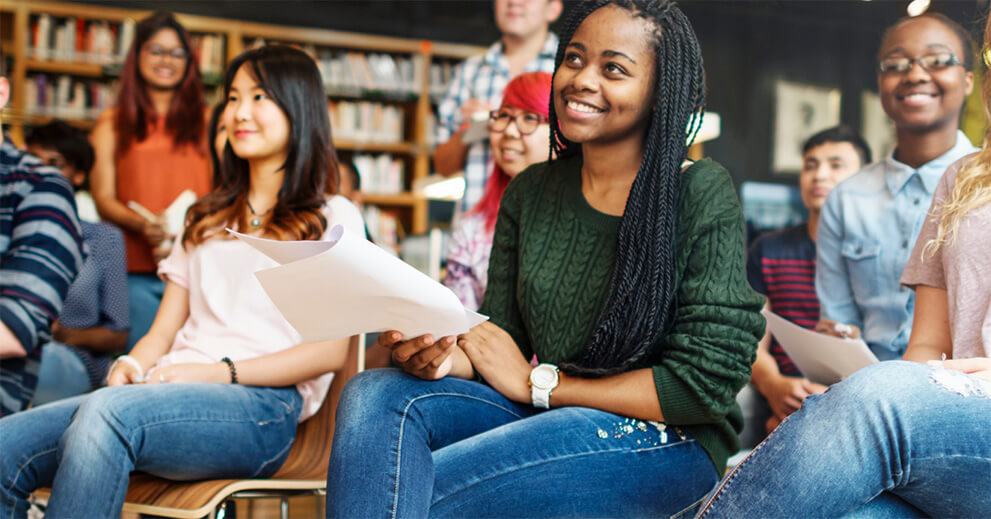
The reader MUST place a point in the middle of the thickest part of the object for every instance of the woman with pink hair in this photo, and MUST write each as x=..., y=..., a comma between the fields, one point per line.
x=519, y=136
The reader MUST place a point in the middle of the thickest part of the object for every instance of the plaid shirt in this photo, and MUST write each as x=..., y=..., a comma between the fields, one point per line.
x=41, y=251
x=482, y=77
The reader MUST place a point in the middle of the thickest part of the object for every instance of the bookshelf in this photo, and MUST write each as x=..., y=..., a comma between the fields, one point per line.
x=381, y=91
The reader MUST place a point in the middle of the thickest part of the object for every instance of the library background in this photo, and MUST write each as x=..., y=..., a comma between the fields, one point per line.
x=386, y=64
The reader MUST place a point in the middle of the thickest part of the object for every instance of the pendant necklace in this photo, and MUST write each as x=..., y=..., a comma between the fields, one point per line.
x=256, y=219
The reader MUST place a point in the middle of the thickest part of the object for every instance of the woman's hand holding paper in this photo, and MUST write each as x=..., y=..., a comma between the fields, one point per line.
x=422, y=356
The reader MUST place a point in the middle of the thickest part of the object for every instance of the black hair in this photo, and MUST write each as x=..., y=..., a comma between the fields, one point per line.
x=841, y=133
x=966, y=40
x=638, y=309
x=215, y=114
x=291, y=79
x=70, y=142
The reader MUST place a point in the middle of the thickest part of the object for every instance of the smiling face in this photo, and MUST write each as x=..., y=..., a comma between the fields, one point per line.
x=163, y=60
x=257, y=128
x=923, y=100
x=512, y=150
x=604, y=87
x=823, y=167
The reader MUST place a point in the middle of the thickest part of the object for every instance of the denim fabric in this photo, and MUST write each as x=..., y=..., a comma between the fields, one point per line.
x=905, y=438
x=63, y=374
x=867, y=230
x=407, y=448
x=85, y=447
x=144, y=291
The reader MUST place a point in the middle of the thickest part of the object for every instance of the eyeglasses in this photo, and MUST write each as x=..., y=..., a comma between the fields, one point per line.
x=526, y=122
x=929, y=62
x=157, y=51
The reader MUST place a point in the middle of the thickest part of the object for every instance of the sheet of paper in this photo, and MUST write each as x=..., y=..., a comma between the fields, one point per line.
x=348, y=285
x=175, y=214
x=821, y=358
x=477, y=131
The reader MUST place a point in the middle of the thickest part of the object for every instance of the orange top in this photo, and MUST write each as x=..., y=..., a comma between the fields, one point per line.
x=153, y=173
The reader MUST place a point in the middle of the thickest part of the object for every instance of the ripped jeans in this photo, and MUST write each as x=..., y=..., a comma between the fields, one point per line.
x=896, y=439
x=406, y=447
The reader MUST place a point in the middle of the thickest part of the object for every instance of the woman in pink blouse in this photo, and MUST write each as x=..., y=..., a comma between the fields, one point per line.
x=520, y=137
x=217, y=386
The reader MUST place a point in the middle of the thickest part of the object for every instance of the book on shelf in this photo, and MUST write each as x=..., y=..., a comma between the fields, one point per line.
x=366, y=121
x=441, y=74
x=209, y=52
x=77, y=40
x=66, y=97
x=380, y=174
x=383, y=226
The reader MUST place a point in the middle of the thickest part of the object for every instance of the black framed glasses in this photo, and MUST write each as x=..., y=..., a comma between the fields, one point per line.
x=929, y=62
x=159, y=52
x=526, y=122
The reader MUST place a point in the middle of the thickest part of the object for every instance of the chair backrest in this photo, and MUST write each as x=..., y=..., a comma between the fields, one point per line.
x=310, y=453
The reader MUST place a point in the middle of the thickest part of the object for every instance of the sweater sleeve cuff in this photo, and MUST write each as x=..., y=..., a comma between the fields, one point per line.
x=679, y=404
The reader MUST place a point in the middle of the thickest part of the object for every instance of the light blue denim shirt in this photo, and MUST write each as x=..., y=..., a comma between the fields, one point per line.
x=867, y=230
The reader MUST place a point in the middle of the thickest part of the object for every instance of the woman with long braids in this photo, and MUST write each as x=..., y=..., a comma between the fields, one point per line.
x=622, y=270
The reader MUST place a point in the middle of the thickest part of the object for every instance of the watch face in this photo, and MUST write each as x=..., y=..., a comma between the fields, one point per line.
x=543, y=376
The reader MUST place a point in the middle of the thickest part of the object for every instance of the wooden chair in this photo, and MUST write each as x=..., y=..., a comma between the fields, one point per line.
x=303, y=473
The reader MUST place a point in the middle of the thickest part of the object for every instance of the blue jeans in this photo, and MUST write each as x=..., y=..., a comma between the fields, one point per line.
x=407, y=448
x=896, y=436
x=86, y=447
x=144, y=293
x=62, y=375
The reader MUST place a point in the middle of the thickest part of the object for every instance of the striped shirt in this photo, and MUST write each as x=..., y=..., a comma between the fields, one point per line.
x=41, y=251
x=482, y=77
x=781, y=265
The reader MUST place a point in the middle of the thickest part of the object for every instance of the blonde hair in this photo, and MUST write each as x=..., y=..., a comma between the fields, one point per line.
x=973, y=185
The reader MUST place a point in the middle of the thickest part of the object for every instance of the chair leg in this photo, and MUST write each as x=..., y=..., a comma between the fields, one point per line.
x=284, y=508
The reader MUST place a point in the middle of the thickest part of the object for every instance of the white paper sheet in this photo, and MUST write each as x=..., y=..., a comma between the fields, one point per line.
x=821, y=358
x=347, y=285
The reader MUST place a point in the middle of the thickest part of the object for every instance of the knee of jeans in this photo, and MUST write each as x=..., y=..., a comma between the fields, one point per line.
x=880, y=385
x=371, y=395
x=96, y=424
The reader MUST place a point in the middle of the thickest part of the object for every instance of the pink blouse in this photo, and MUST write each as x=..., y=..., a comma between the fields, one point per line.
x=230, y=315
x=962, y=267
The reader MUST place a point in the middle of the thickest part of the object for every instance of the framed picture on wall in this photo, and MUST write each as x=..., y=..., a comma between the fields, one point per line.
x=801, y=110
x=877, y=129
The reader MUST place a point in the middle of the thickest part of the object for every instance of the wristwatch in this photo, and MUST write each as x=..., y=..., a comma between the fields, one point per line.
x=543, y=379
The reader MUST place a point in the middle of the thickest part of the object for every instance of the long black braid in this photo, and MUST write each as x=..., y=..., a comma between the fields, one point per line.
x=642, y=291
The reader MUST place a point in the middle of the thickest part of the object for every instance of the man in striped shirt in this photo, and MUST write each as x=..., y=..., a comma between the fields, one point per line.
x=527, y=45
x=41, y=251
x=781, y=265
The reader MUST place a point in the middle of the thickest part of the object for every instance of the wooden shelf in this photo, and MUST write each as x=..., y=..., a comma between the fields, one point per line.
x=401, y=200
x=65, y=67
x=237, y=34
x=38, y=120
x=399, y=147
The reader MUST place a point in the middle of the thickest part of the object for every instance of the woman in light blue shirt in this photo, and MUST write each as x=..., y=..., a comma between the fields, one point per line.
x=870, y=221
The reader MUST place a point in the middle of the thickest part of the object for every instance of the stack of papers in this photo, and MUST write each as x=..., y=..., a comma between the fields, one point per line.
x=347, y=286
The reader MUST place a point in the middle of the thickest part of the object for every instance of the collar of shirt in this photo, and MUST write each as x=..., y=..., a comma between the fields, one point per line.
x=495, y=57
x=897, y=174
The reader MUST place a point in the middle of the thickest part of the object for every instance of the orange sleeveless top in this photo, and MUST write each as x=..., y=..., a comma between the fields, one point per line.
x=153, y=173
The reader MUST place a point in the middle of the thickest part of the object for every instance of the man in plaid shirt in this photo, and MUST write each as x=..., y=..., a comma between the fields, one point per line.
x=526, y=46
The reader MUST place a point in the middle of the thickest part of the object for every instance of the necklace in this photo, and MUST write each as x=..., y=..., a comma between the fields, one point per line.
x=256, y=219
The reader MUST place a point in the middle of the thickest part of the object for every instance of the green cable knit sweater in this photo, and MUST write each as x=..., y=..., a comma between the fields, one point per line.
x=552, y=261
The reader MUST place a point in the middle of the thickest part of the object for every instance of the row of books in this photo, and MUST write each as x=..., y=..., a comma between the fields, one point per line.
x=380, y=174
x=383, y=226
x=441, y=74
x=66, y=97
x=366, y=121
x=77, y=40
